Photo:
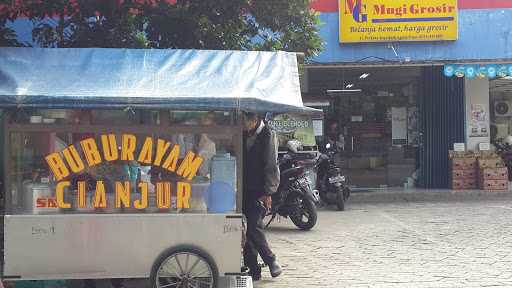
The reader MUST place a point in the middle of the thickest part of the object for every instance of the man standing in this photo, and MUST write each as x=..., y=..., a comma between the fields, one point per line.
x=261, y=180
x=334, y=136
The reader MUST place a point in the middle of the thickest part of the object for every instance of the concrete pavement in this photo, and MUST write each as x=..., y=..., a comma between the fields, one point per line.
x=409, y=242
x=429, y=244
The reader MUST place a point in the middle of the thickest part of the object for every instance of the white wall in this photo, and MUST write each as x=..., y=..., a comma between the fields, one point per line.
x=477, y=92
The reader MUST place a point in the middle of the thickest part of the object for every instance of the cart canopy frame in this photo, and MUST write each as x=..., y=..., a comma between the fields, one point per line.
x=150, y=78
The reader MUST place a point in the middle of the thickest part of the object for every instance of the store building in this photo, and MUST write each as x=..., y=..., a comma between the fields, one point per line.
x=381, y=77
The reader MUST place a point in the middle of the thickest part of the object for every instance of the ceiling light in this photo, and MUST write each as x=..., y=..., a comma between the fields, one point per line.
x=364, y=75
x=343, y=90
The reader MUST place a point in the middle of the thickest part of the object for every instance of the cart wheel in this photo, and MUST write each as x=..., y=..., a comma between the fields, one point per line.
x=184, y=267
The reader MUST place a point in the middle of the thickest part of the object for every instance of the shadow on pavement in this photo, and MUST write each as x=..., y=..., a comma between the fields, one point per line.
x=286, y=229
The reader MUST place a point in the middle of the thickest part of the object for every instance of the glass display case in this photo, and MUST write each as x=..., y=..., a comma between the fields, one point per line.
x=143, y=166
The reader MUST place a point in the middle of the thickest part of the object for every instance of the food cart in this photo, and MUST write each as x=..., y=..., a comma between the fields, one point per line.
x=125, y=163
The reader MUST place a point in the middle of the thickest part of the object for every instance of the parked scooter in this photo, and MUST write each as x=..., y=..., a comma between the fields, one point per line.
x=330, y=183
x=294, y=197
x=504, y=149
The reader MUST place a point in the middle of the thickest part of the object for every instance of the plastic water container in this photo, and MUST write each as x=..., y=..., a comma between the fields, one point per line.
x=220, y=197
x=224, y=169
x=221, y=194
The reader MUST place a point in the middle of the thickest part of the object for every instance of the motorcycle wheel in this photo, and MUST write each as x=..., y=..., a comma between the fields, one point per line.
x=325, y=198
x=305, y=215
x=340, y=199
x=346, y=190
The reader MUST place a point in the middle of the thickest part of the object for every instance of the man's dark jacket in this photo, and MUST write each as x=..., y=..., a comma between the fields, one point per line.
x=261, y=172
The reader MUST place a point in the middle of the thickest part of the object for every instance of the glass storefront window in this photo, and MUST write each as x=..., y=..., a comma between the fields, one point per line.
x=69, y=172
x=82, y=116
x=49, y=116
x=116, y=117
x=201, y=118
x=373, y=118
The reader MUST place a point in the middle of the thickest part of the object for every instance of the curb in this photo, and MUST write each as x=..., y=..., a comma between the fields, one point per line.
x=427, y=196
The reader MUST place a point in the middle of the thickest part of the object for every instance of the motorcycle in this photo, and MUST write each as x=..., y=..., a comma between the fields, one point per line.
x=294, y=197
x=330, y=183
x=504, y=149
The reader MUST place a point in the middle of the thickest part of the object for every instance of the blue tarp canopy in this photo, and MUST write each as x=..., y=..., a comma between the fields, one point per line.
x=150, y=78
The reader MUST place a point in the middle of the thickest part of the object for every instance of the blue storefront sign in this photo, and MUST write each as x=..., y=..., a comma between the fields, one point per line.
x=478, y=71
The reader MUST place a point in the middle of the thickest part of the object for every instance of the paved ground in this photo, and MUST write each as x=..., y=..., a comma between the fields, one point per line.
x=401, y=244
x=451, y=244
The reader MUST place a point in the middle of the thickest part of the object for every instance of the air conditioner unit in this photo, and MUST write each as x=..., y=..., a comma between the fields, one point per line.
x=503, y=108
x=501, y=131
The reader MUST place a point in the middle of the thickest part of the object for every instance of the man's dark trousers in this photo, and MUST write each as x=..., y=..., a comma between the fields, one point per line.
x=256, y=241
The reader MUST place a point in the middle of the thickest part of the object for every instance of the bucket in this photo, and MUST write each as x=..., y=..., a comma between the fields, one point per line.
x=220, y=197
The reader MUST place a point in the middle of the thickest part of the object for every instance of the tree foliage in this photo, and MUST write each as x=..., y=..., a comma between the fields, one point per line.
x=288, y=25
x=7, y=35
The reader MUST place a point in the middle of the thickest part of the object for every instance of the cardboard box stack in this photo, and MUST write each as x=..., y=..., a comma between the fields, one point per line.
x=463, y=167
x=493, y=175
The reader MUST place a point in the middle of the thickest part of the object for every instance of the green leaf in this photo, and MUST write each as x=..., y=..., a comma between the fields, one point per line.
x=222, y=24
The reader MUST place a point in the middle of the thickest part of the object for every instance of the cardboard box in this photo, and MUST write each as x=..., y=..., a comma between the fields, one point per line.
x=463, y=163
x=464, y=174
x=494, y=173
x=464, y=184
x=494, y=185
x=490, y=163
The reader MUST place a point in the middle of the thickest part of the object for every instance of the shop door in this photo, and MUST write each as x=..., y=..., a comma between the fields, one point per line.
x=442, y=116
x=372, y=157
x=379, y=126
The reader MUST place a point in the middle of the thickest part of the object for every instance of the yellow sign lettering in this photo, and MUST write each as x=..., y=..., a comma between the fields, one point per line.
x=59, y=193
x=123, y=194
x=172, y=159
x=142, y=203
x=128, y=147
x=159, y=154
x=163, y=195
x=183, y=195
x=100, y=198
x=146, y=153
x=57, y=166
x=161, y=147
x=92, y=155
x=189, y=166
x=81, y=194
x=74, y=161
x=109, y=144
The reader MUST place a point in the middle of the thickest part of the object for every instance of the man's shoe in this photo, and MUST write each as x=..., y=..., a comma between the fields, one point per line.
x=275, y=269
x=255, y=277
x=255, y=273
